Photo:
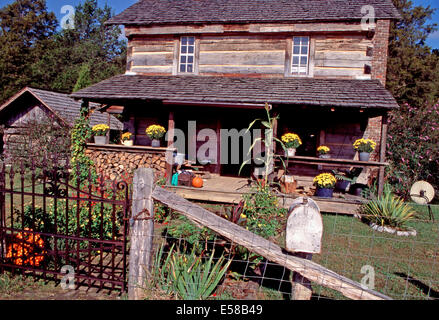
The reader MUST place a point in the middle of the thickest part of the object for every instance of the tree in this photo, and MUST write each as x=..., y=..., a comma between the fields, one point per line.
x=24, y=26
x=83, y=79
x=412, y=68
x=90, y=43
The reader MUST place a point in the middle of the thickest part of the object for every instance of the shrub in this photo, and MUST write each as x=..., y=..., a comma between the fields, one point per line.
x=262, y=212
x=413, y=147
x=388, y=210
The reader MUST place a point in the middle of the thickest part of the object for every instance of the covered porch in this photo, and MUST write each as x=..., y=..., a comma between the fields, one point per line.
x=323, y=112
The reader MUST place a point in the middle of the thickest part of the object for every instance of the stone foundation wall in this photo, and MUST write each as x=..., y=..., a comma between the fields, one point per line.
x=119, y=162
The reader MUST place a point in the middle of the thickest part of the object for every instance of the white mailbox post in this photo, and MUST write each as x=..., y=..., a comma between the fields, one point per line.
x=303, y=238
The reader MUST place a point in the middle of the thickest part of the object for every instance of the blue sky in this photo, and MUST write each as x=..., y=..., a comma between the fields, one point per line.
x=120, y=5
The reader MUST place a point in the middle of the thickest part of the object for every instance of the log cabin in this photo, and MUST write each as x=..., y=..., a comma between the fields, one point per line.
x=319, y=64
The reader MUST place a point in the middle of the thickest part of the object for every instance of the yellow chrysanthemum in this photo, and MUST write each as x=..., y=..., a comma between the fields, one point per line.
x=100, y=129
x=155, y=131
x=126, y=136
x=364, y=145
x=325, y=180
x=291, y=140
x=323, y=150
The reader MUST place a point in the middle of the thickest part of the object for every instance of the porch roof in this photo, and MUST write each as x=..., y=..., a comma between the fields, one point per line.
x=293, y=91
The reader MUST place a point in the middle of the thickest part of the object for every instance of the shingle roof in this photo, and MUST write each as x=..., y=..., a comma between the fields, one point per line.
x=303, y=91
x=65, y=107
x=146, y=12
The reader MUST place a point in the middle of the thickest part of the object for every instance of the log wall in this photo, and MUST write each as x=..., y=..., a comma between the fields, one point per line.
x=337, y=50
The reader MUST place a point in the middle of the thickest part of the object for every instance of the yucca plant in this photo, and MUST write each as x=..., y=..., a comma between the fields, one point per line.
x=187, y=275
x=388, y=210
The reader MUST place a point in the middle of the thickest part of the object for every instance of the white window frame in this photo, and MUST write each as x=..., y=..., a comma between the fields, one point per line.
x=186, y=55
x=298, y=70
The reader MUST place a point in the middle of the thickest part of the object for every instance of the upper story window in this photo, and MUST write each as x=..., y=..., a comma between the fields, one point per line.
x=300, y=56
x=187, y=54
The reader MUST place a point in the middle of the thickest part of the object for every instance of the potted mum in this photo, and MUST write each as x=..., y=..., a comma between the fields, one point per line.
x=323, y=152
x=100, y=133
x=126, y=139
x=364, y=147
x=155, y=133
x=291, y=142
x=325, y=183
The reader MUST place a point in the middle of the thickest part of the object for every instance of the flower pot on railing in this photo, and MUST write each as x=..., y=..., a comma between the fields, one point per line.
x=155, y=133
x=364, y=147
x=290, y=152
x=100, y=133
x=291, y=142
x=364, y=156
x=128, y=143
x=323, y=152
x=100, y=139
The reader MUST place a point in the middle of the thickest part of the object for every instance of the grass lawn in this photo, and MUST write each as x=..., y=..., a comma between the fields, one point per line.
x=405, y=267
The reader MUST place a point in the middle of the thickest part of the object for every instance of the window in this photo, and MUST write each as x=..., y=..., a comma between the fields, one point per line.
x=300, y=56
x=187, y=54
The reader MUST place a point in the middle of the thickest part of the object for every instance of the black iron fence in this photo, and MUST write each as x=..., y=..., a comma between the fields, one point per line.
x=56, y=225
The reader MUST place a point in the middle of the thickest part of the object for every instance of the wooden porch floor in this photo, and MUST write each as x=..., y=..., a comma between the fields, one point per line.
x=229, y=190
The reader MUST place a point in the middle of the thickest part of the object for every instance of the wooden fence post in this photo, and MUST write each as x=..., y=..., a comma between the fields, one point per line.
x=303, y=238
x=142, y=232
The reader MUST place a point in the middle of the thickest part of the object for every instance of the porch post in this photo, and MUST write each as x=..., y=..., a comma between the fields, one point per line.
x=169, y=162
x=275, y=129
x=384, y=124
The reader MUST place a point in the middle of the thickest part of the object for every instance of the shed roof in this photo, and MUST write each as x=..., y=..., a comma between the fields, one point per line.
x=298, y=91
x=63, y=106
x=146, y=12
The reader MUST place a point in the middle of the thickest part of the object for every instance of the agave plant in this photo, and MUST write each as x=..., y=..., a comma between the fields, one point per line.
x=388, y=210
x=187, y=275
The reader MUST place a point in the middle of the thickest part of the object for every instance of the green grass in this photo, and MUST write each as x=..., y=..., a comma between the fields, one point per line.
x=348, y=244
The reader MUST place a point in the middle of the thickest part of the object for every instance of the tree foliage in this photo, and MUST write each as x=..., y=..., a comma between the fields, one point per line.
x=413, y=75
x=24, y=26
x=34, y=52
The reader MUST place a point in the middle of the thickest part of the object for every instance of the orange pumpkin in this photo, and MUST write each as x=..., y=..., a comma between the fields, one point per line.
x=197, y=182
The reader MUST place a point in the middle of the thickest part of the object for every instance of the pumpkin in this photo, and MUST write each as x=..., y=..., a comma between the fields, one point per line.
x=197, y=182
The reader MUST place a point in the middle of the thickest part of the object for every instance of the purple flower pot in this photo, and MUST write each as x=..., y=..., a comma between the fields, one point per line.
x=324, y=193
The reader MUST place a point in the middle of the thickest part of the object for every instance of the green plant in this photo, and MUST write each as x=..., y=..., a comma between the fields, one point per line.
x=262, y=212
x=190, y=276
x=236, y=214
x=82, y=165
x=10, y=284
x=183, y=228
x=388, y=210
x=268, y=141
x=364, y=145
x=95, y=221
